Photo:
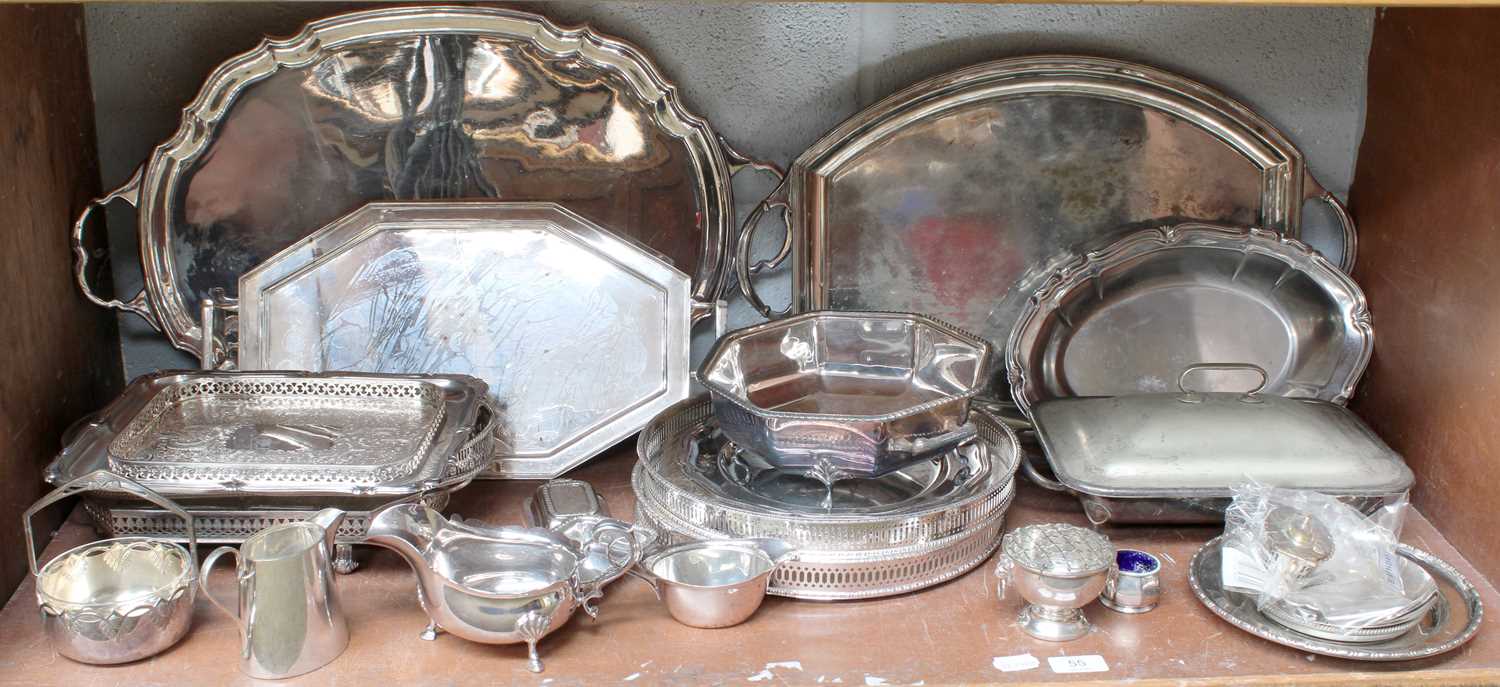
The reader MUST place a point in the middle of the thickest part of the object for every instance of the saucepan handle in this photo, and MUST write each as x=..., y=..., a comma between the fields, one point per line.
x=104, y=480
x=129, y=192
x=1312, y=190
x=744, y=268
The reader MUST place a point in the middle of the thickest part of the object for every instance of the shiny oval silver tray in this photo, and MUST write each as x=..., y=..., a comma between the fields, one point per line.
x=582, y=335
x=829, y=575
x=413, y=103
x=941, y=197
x=672, y=479
x=1132, y=317
x=1457, y=616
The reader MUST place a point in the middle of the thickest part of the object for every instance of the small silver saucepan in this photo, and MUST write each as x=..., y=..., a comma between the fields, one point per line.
x=715, y=583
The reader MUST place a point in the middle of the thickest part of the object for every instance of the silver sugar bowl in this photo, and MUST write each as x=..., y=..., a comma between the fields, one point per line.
x=1057, y=569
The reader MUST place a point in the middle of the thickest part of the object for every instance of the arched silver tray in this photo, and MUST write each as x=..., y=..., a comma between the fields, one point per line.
x=940, y=198
x=418, y=103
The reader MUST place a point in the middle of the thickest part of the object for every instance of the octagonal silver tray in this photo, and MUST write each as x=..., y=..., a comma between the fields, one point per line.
x=941, y=197
x=581, y=335
x=1454, y=620
x=412, y=103
x=1136, y=315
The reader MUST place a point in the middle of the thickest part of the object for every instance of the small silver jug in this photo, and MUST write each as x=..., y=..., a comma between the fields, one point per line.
x=289, y=615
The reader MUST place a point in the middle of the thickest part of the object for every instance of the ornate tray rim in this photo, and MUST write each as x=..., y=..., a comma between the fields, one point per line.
x=160, y=302
x=628, y=254
x=1072, y=272
x=1286, y=183
x=459, y=451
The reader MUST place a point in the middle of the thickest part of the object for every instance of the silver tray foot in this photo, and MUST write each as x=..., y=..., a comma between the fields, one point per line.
x=431, y=632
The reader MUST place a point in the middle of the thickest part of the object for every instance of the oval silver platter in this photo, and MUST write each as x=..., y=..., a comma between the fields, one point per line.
x=940, y=198
x=1131, y=317
x=1452, y=622
x=415, y=103
x=582, y=335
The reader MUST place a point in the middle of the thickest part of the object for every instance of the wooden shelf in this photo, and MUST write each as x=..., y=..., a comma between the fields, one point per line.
x=948, y=634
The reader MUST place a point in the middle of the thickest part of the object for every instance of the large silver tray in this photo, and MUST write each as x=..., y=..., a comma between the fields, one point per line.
x=679, y=473
x=412, y=103
x=195, y=468
x=1456, y=618
x=582, y=335
x=1134, y=316
x=938, y=199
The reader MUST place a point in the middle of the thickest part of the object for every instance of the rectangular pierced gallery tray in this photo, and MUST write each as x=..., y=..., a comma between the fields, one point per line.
x=225, y=436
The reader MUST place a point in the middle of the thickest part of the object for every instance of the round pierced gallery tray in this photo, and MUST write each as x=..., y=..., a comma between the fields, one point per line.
x=681, y=473
x=831, y=575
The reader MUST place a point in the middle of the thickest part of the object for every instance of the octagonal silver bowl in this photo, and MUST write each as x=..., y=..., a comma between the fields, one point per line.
x=844, y=395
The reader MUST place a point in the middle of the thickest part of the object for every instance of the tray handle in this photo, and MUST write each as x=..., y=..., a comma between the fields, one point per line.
x=1312, y=190
x=130, y=192
x=744, y=268
x=1038, y=478
x=104, y=480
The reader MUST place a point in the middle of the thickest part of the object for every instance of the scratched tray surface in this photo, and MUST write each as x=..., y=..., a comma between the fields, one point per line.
x=581, y=335
x=250, y=440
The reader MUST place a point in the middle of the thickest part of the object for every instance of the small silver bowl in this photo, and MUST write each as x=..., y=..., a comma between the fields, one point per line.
x=846, y=395
x=1134, y=582
x=117, y=600
x=1057, y=569
x=715, y=583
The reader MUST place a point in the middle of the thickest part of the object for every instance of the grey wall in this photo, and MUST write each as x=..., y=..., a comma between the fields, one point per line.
x=773, y=77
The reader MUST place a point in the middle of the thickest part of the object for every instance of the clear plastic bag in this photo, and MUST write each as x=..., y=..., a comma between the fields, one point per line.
x=1309, y=557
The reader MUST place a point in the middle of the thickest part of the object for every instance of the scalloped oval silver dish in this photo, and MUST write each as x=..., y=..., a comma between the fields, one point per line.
x=938, y=198
x=1458, y=615
x=414, y=103
x=1134, y=316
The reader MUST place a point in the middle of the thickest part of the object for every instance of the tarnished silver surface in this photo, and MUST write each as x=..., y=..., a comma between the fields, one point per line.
x=1172, y=458
x=117, y=600
x=679, y=472
x=229, y=434
x=939, y=198
x=840, y=395
x=412, y=103
x=581, y=335
x=494, y=585
x=1136, y=315
x=287, y=608
x=1456, y=617
x=1057, y=569
x=715, y=583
